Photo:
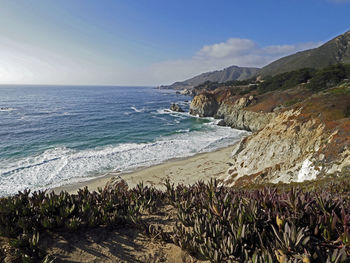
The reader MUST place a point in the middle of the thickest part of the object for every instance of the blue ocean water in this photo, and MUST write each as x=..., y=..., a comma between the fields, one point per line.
x=56, y=135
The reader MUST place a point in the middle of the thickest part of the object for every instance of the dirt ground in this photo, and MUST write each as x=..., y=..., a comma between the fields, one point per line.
x=121, y=244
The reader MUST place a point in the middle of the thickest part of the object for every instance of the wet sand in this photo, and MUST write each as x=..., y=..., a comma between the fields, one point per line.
x=203, y=166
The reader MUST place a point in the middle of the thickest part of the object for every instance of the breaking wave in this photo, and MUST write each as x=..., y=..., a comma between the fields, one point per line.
x=59, y=166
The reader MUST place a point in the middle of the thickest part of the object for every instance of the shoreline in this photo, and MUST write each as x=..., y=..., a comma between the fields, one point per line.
x=186, y=170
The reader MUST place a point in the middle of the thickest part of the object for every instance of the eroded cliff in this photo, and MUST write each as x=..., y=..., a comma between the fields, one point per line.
x=297, y=135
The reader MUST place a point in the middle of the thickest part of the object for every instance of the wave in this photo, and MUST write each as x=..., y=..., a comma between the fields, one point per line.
x=182, y=115
x=42, y=115
x=137, y=110
x=163, y=111
x=183, y=130
x=59, y=166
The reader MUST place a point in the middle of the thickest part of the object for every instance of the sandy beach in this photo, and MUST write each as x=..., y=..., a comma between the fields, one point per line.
x=202, y=166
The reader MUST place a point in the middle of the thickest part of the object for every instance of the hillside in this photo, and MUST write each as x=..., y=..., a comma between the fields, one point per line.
x=300, y=123
x=334, y=51
x=227, y=74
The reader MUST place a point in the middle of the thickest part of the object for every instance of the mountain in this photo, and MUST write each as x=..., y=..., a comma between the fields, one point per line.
x=230, y=73
x=334, y=51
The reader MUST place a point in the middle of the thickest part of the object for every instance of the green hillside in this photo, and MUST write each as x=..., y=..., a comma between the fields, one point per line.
x=334, y=51
x=220, y=76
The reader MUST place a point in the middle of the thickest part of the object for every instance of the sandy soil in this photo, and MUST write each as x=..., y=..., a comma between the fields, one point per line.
x=123, y=244
x=202, y=166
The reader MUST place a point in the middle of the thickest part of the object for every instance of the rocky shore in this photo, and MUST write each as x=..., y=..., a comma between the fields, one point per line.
x=297, y=135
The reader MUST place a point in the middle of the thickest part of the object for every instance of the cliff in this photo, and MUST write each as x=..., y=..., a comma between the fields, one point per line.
x=297, y=134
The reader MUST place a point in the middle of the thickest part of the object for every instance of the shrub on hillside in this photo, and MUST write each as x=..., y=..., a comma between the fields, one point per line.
x=329, y=77
x=286, y=80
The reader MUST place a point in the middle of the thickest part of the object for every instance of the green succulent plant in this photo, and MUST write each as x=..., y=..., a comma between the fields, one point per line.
x=266, y=224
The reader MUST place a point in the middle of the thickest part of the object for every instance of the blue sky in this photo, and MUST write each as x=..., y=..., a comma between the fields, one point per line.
x=152, y=42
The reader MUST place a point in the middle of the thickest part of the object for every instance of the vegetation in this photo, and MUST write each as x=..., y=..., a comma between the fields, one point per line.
x=220, y=76
x=239, y=82
x=329, y=77
x=285, y=80
x=212, y=85
x=237, y=87
x=333, y=52
x=208, y=85
x=291, y=102
x=261, y=224
x=342, y=89
x=315, y=80
x=24, y=216
x=228, y=225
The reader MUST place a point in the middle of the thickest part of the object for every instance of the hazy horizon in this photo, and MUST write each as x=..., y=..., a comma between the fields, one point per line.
x=151, y=43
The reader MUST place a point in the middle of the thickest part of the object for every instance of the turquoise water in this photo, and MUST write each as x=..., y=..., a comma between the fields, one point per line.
x=56, y=135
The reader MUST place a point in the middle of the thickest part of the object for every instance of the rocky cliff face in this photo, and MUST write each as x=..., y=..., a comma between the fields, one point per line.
x=204, y=105
x=296, y=143
x=234, y=114
x=243, y=119
x=284, y=150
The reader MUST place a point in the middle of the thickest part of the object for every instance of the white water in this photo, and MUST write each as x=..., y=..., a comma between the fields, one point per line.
x=59, y=166
x=137, y=110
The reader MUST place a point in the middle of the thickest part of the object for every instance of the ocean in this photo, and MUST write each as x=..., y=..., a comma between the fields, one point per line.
x=56, y=135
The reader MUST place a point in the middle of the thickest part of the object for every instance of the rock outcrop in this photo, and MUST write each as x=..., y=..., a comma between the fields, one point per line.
x=243, y=119
x=204, y=105
x=176, y=107
x=187, y=92
x=284, y=150
x=289, y=143
x=233, y=114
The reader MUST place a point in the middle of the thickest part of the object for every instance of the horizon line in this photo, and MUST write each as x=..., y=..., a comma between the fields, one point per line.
x=80, y=85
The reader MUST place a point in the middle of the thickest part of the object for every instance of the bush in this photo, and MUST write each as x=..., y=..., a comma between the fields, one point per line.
x=328, y=77
x=208, y=85
x=286, y=80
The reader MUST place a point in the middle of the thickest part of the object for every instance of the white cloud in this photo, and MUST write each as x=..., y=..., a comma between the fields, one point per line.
x=233, y=46
x=24, y=63
x=235, y=51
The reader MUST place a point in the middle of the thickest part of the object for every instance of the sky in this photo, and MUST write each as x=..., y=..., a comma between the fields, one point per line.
x=154, y=42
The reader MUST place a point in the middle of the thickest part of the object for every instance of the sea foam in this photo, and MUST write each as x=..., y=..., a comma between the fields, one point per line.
x=59, y=166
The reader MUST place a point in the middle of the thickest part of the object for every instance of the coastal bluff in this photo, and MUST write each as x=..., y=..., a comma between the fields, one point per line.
x=296, y=135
